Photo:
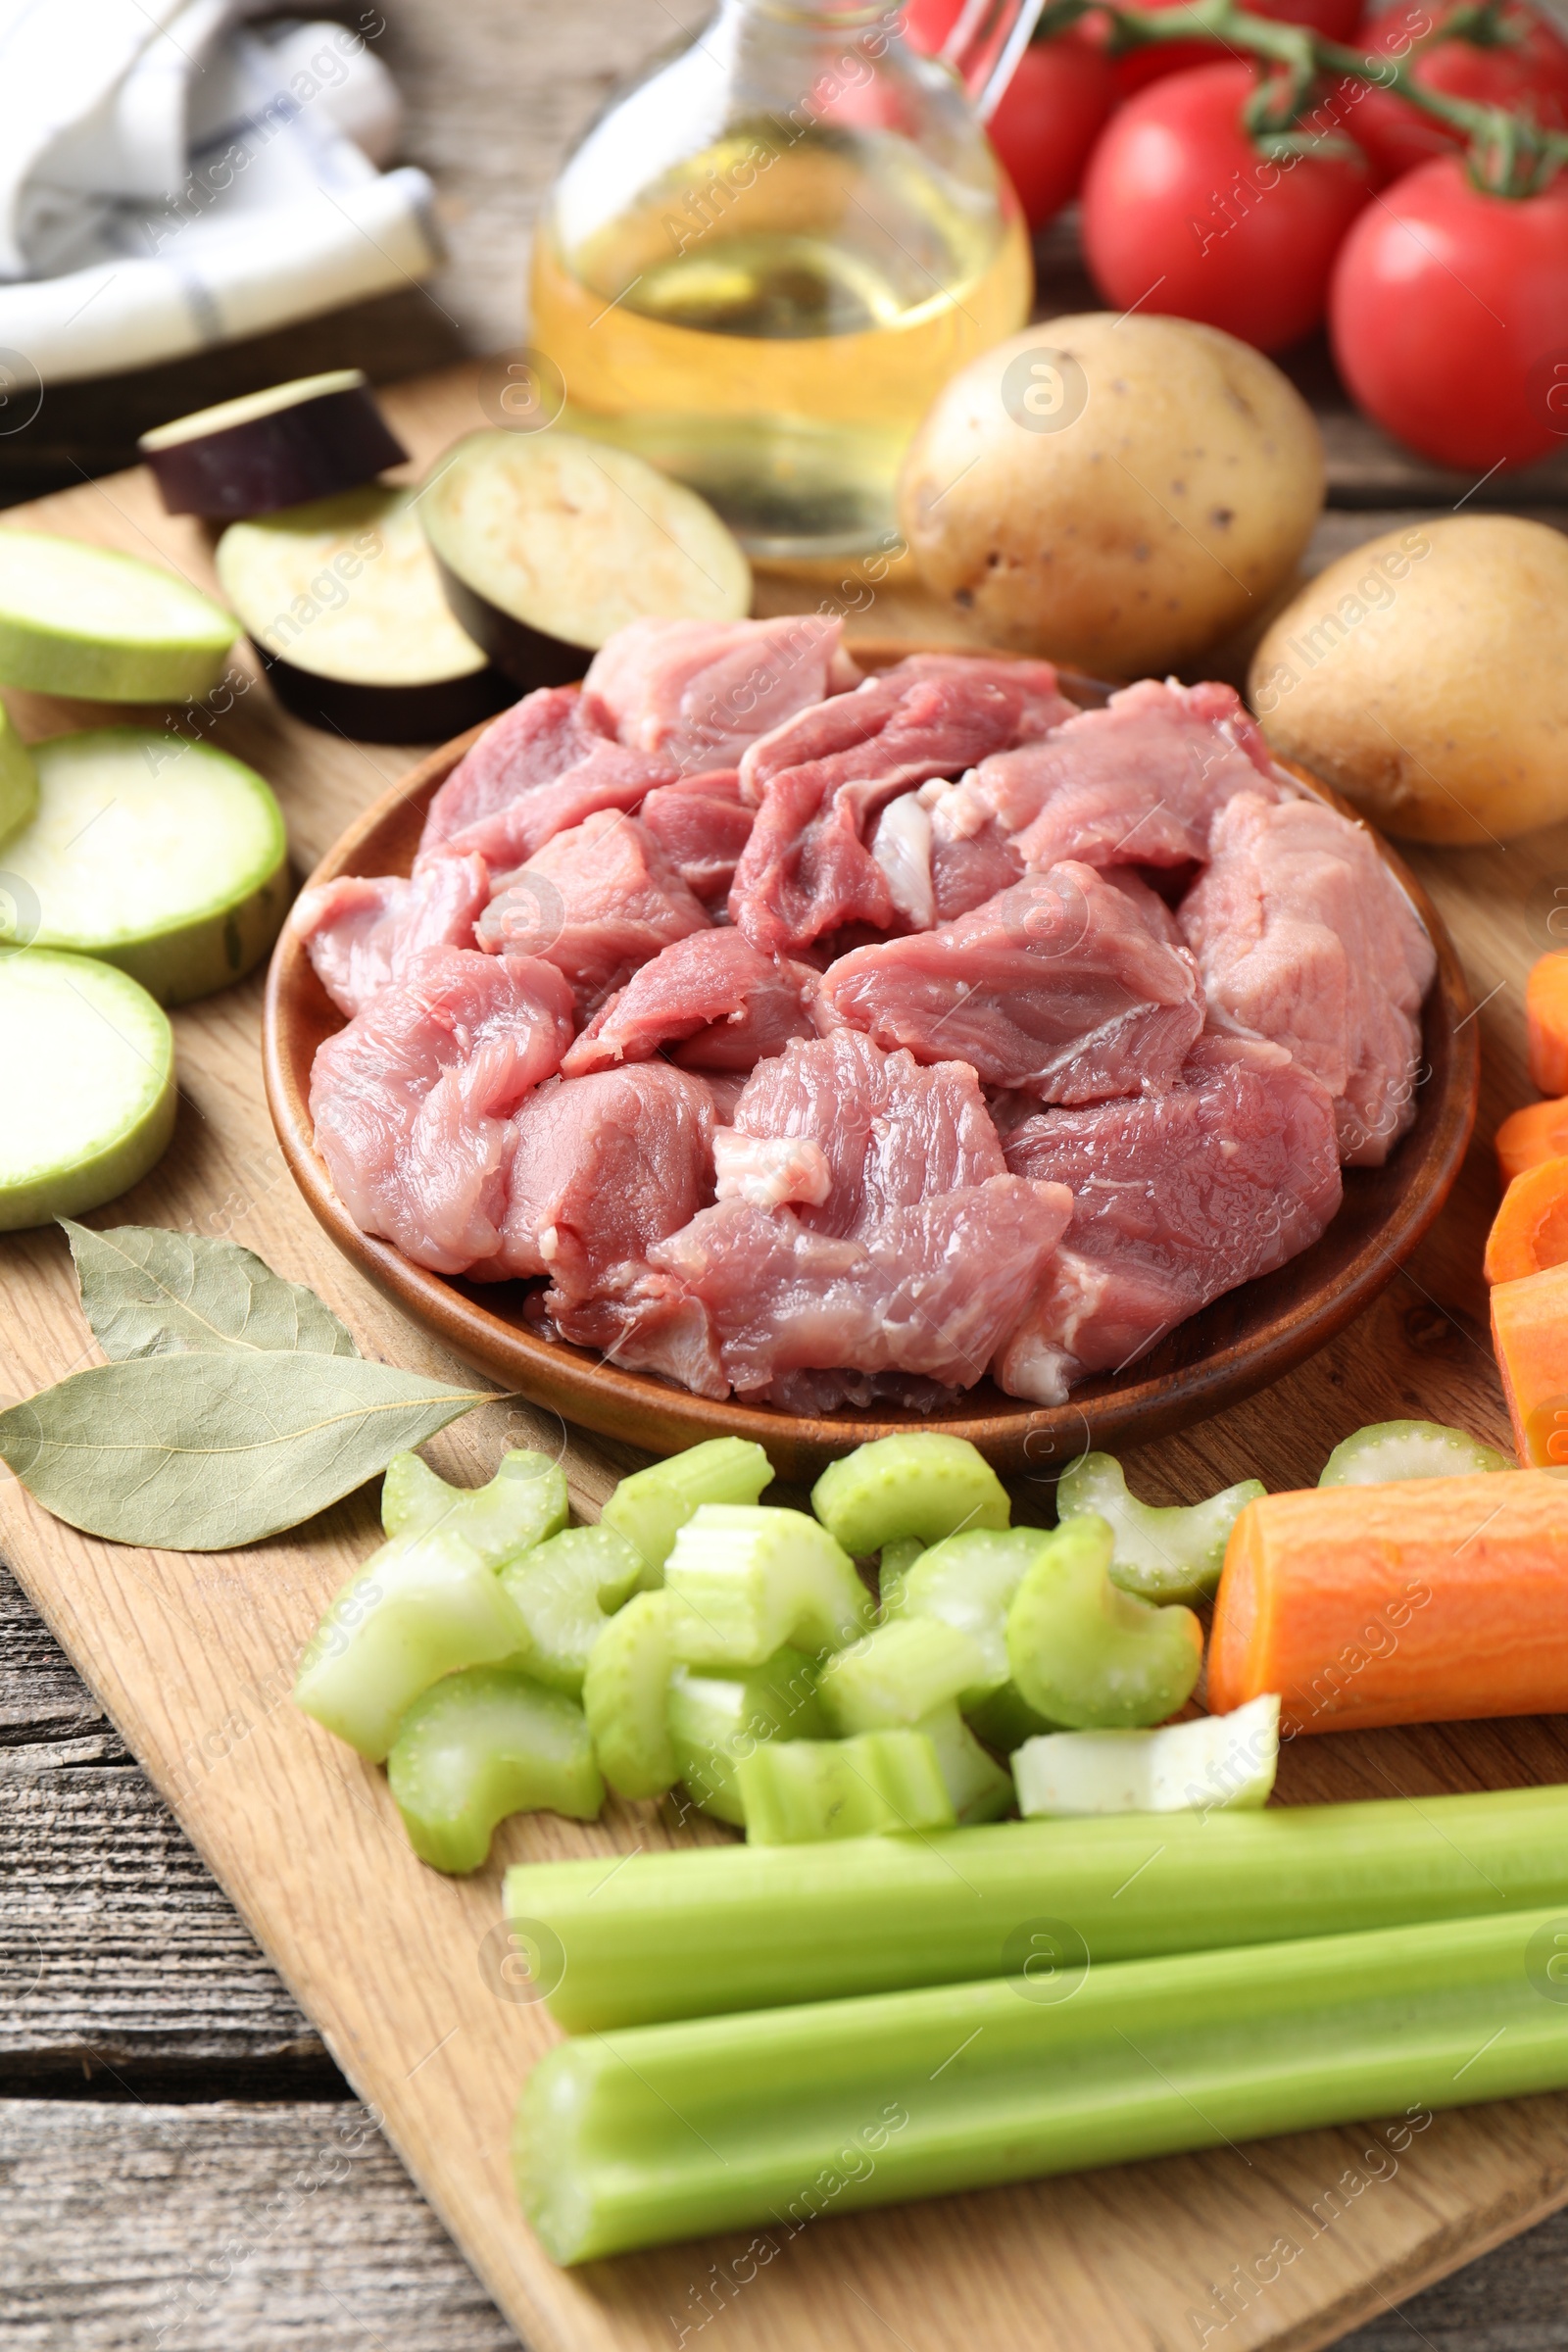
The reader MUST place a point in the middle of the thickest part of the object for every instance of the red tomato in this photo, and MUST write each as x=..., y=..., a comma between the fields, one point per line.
x=1051, y=113
x=1526, y=71
x=1450, y=317
x=1338, y=19
x=1183, y=215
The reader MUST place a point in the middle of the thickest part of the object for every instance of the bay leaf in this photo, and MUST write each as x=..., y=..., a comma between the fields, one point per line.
x=150, y=1292
x=207, y=1453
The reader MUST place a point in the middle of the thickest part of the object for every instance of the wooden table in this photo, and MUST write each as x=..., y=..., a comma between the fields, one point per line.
x=184, y=2165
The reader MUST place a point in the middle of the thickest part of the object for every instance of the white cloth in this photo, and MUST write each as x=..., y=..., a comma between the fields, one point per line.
x=170, y=178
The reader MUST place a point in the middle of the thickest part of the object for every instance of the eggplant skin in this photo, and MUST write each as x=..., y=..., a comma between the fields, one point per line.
x=530, y=656
x=429, y=712
x=311, y=450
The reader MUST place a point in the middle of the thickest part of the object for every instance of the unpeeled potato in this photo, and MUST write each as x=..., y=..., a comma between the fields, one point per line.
x=1118, y=494
x=1426, y=677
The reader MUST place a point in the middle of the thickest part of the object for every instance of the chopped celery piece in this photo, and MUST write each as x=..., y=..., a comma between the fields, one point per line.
x=1088, y=1654
x=977, y=1787
x=893, y=1565
x=652, y=1507
x=424, y=1606
x=1186, y=1768
x=668, y=2132
x=968, y=1581
x=716, y=1719
x=1006, y=1720
x=623, y=1697
x=565, y=1591
x=900, y=1673
x=1163, y=1551
x=483, y=1745
x=795, y=1791
x=524, y=1502
x=1388, y=1450
x=924, y=1484
x=743, y=1579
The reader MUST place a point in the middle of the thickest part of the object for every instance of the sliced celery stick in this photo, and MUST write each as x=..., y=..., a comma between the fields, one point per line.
x=524, y=1502
x=1387, y=1450
x=968, y=1581
x=900, y=1673
x=652, y=1507
x=745, y=1580
x=623, y=1697
x=566, y=1591
x=797, y=1791
x=424, y=1606
x=897, y=1559
x=480, y=1745
x=1164, y=1552
x=1088, y=1654
x=1006, y=1720
x=924, y=1484
x=1187, y=1768
x=716, y=1719
x=976, y=1785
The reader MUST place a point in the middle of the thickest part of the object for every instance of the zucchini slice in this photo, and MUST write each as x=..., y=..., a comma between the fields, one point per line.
x=90, y=1088
x=343, y=603
x=548, y=544
x=104, y=627
x=168, y=858
x=271, y=449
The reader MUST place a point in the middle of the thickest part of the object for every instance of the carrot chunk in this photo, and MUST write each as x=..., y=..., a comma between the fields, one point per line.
x=1530, y=1337
x=1529, y=1231
x=1527, y=1137
x=1430, y=1600
x=1547, y=1020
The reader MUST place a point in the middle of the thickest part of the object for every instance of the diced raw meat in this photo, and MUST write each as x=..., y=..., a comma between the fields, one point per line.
x=1060, y=986
x=1157, y=917
x=360, y=931
x=702, y=824
x=770, y=1171
x=1177, y=1199
x=413, y=1100
x=607, y=777
x=712, y=996
x=601, y=1167
x=597, y=903
x=1302, y=936
x=697, y=692
x=537, y=740
x=824, y=778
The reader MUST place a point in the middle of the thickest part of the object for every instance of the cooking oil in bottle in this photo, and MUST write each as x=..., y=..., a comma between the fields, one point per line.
x=763, y=264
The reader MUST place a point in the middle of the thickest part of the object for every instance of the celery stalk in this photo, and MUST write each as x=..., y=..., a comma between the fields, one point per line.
x=666, y=2131
x=688, y=1934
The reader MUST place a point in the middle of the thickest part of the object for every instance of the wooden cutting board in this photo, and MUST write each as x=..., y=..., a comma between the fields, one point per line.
x=1285, y=2244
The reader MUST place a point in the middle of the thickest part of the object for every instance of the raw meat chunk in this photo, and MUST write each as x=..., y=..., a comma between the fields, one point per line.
x=607, y=777
x=413, y=1100
x=601, y=1167
x=1177, y=1199
x=770, y=1171
x=697, y=692
x=359, y=932
x=1061, y=986
x=721, y=1005
x=702, y=824
x=597, y=903
x=824, y=778
x=1302, y=936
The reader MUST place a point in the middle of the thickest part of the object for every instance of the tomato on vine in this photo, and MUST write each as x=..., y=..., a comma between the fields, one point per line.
x=1505, y=55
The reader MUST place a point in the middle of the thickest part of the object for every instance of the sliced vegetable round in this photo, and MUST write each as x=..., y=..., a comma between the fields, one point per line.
x=166, y=857
x=89, y=1086
x=19, y=781
x=548, y=544
x=342, y=602
x=104, y=627
x=271, y=449
x=1387, y=1451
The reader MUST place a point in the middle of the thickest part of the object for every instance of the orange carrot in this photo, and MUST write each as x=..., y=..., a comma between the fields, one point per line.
x=1530, y=1337
x=1547, y=1020
x=1538, y=1131
x=1425, y=1601
x=1529, y=1231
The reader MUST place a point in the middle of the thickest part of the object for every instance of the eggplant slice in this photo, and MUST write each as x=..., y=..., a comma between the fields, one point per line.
x=275, y=449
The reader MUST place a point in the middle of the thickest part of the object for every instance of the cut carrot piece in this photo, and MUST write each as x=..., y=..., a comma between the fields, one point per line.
x=1529, y=1231
x=1530, y=1336
x=1527, y=1137
x=1547, y=1020
x=1430, y=1600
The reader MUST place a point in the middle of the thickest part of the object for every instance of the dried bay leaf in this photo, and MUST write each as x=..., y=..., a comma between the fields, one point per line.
x=149, y=1291
x=207, y=1453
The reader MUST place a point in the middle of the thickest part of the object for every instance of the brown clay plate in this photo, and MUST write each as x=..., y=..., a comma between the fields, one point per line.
x=1236, y=1346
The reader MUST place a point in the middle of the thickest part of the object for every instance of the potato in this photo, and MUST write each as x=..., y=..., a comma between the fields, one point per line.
x=1425, y=675
x=1115, y=493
